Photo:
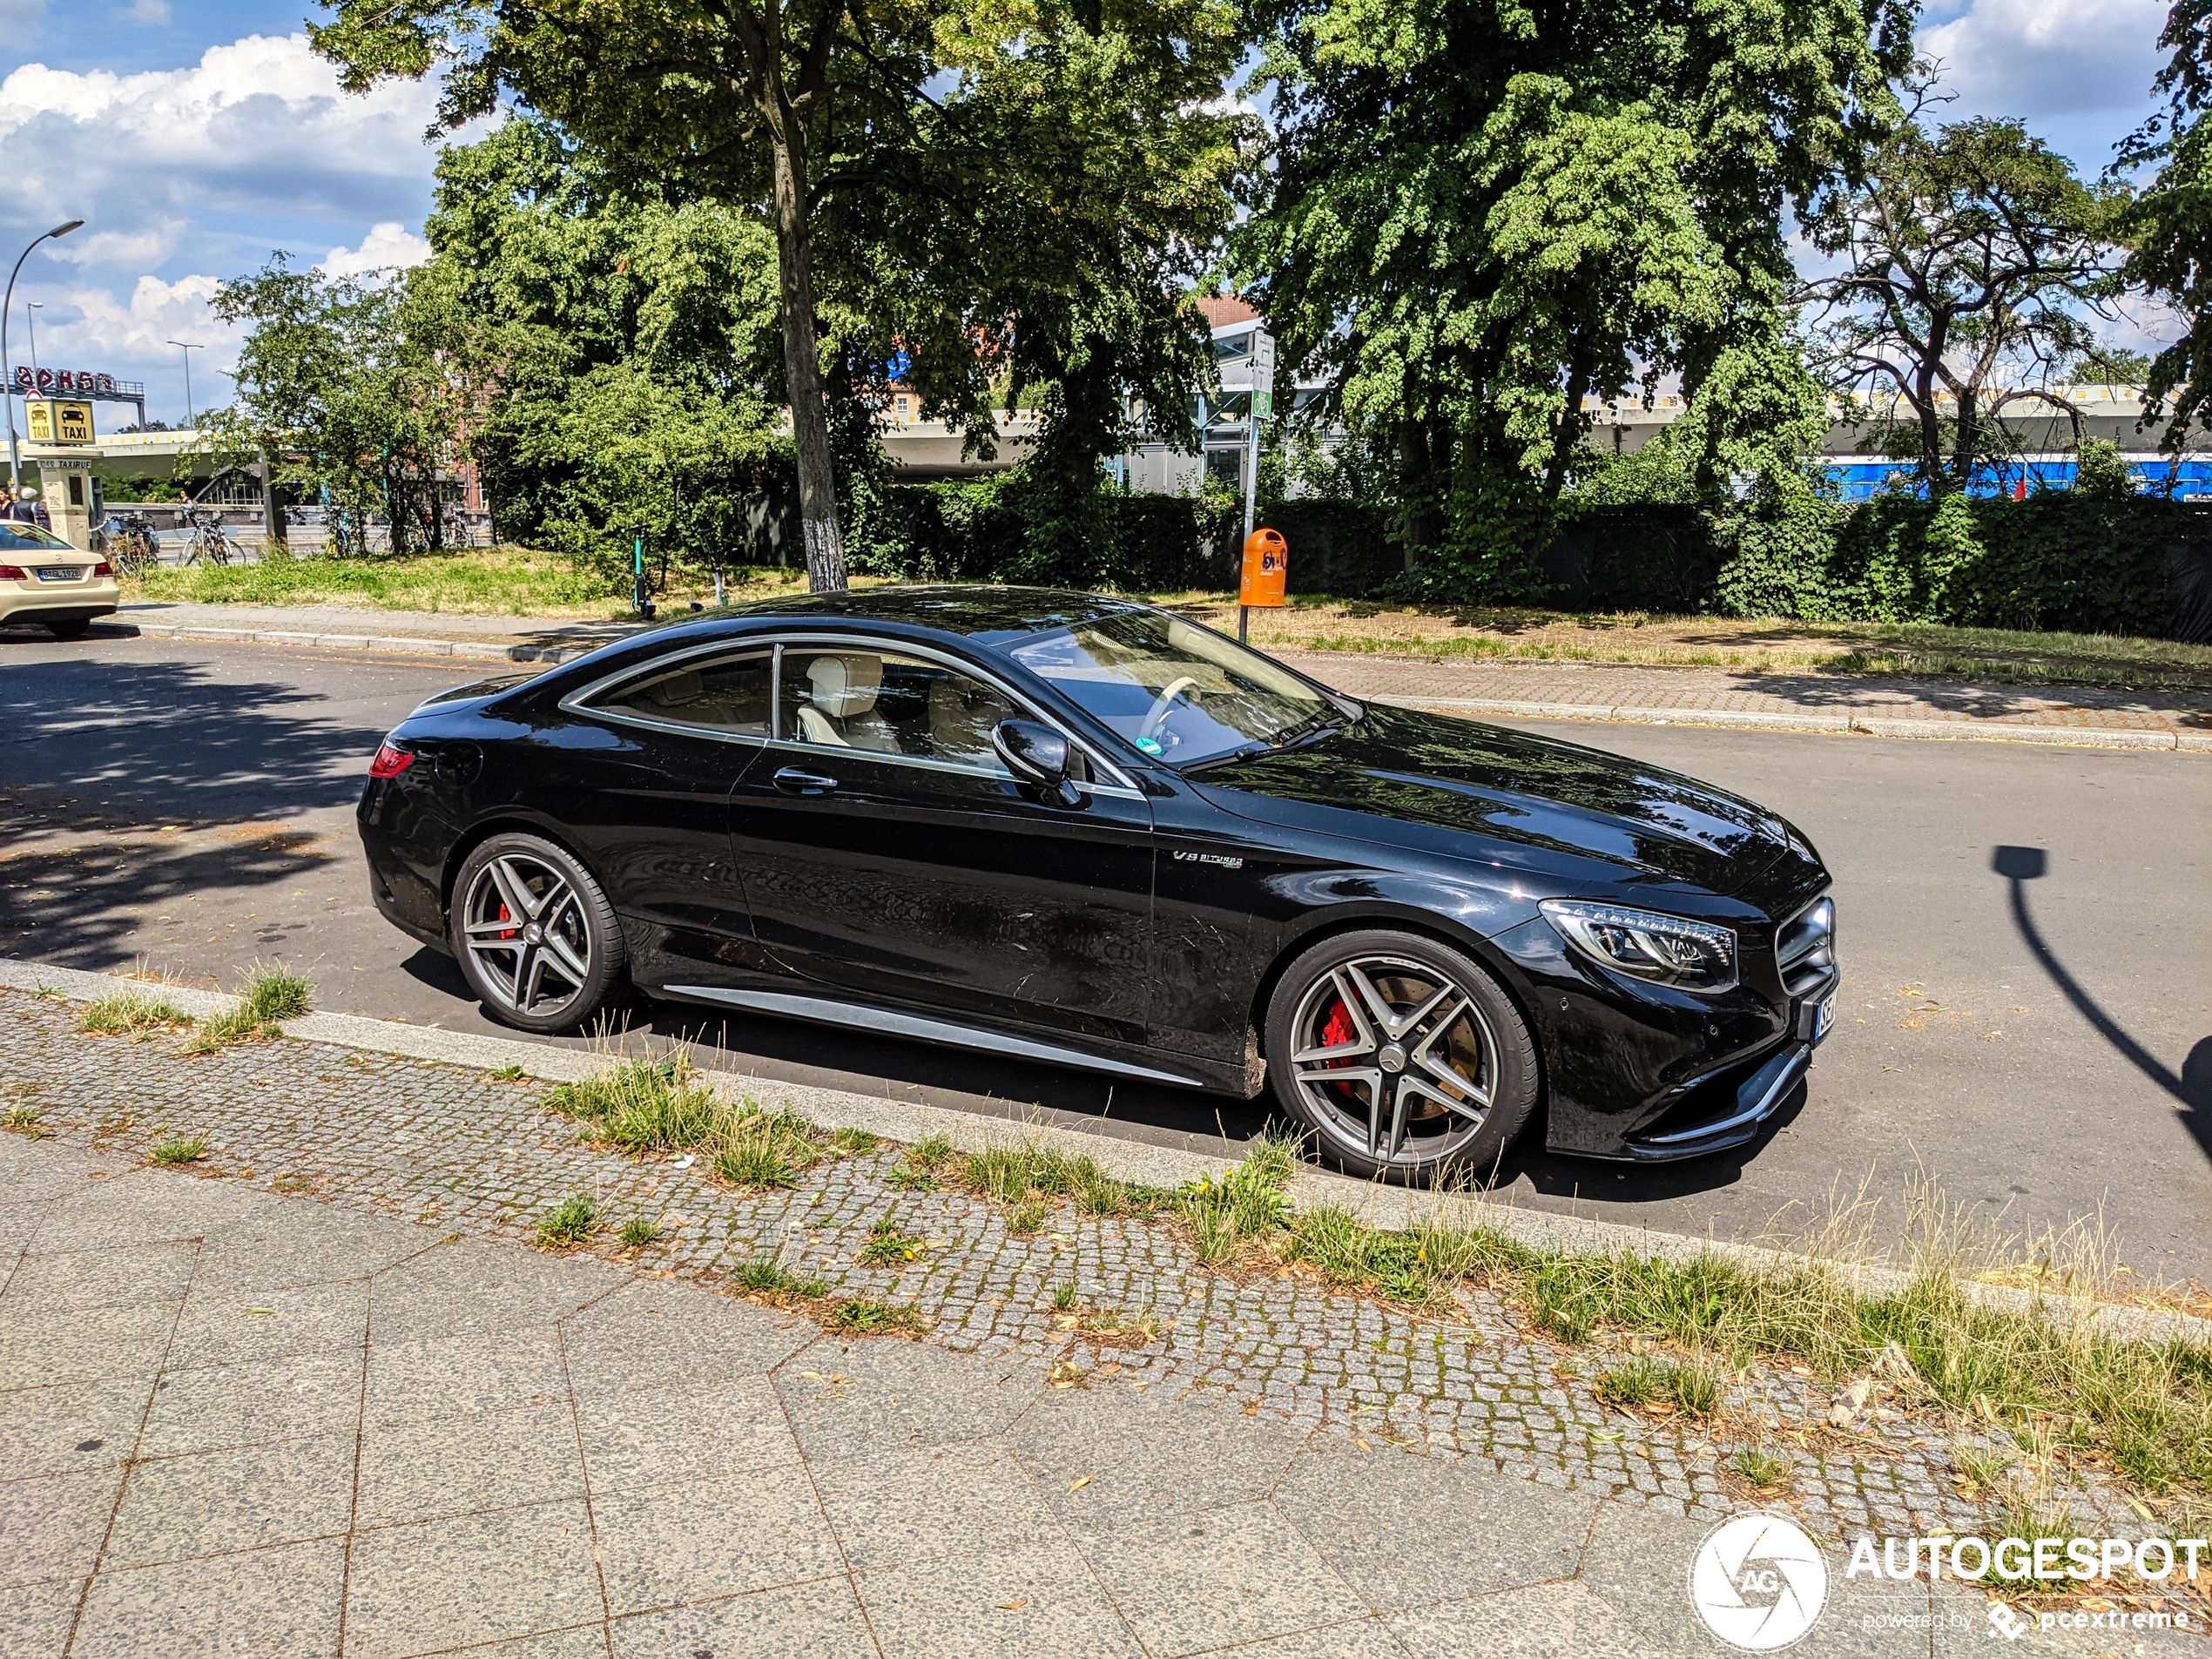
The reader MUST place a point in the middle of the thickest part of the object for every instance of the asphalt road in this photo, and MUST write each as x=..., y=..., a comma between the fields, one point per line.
x=2027, y=1027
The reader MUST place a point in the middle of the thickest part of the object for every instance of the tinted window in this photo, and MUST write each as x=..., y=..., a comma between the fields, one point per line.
x=885, y=704
x=726, y=694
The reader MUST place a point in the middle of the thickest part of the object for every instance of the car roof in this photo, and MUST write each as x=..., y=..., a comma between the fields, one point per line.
x=986, y=615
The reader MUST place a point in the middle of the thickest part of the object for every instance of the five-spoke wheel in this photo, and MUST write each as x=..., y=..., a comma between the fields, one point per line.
x=534, y=935
x=1403, y=1053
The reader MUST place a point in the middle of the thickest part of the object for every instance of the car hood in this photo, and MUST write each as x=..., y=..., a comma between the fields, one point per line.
x=1539, y=805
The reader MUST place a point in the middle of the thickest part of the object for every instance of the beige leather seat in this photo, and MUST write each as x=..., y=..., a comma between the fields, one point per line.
x=962, y=714
x=839, y=710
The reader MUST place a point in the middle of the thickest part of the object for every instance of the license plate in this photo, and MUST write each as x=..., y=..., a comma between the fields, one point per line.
x=58, y=573
x=1825, y=1018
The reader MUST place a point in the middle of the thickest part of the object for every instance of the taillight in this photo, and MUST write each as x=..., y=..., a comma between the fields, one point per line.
x=391, y=760
x=12, y=573
x=104, y=568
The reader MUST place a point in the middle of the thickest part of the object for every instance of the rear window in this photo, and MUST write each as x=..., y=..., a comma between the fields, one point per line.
x=18, y=537
x=731, y=694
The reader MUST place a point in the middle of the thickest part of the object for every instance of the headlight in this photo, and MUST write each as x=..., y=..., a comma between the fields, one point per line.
x=1670, y=950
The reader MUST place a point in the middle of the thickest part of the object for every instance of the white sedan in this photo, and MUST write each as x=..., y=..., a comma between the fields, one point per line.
x=44, y=579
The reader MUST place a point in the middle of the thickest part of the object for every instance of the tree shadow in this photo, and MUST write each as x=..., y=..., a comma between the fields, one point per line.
x=174, y=737
x=2192, y=1089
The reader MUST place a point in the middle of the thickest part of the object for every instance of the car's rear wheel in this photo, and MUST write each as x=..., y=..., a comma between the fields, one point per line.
x=535, y=934
x=69, y=627
x=1403, y=1056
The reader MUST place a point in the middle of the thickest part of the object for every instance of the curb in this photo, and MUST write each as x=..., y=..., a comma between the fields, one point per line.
x=1954, y=731
x=1388, y=1207
x=1968, y=730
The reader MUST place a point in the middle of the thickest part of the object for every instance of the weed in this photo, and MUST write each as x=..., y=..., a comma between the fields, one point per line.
x=182, y=1149
x=48, y=994
x=637, y=1233
x=274, y=993
x=641, y=1106
x=932, y=1151
x=888, y=1247
x=572, y=1221
x=130, y=1015
x=854, y=1143
x=1760, y=1466
x=1245, y=1203
x=1026, y=1217
x=907, y=1176
x=1065, y=1298
x=760, y=1149
x=22, y=1117
x=1111, y=1328
x=1979, y=1468
x=506, y=1075
x=864, y=1318
x=765, y=1276
x=1633, y=1382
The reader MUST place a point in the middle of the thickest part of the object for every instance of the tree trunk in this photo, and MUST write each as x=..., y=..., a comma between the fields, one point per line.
x=802, y=364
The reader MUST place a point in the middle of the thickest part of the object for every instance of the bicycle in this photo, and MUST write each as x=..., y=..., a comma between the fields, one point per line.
x=132, y=546
x=207, y=541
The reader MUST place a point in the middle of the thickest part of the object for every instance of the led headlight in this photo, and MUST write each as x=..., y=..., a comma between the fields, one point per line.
x=1670, y=950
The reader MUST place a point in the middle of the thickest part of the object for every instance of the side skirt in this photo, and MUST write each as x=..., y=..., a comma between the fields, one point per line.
x=923, y=1028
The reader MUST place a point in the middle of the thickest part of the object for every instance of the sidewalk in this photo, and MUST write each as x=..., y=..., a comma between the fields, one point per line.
x=236, y=1419
x=2077, y=716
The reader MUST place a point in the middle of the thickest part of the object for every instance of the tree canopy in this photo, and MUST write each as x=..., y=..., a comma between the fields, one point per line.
x=1482, y=214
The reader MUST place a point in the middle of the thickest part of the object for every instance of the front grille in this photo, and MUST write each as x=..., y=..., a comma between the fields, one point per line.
x=1805, y=946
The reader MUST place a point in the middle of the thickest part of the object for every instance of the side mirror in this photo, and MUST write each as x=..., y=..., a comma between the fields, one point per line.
x=1036, y=754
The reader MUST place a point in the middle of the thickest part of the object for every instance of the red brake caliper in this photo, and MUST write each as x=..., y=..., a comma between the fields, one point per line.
x=1336, y=1031
x=507, y=933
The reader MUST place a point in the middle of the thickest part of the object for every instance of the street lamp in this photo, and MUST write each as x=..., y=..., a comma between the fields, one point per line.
x=192, y=420
x=30, y=328
x=7, y=304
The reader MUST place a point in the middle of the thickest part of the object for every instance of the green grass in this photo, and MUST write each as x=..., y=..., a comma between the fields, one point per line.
x=1248, y=1202
x=888, y=1247
x=760, y=1149
x=183, y=1150
x=860, y=1318
x=854, y=1143
x=21, y=1117
x=654, y=1106
x=1760, y=1466
x=506, y=1075
x=492, y=581
x=1026, y=1218
x=1643, y=1380
x=273, y=994
x=1065, y=1298
x=637, y=1233
x=570, y=1223
x=131, y=1013
x=765, y=1276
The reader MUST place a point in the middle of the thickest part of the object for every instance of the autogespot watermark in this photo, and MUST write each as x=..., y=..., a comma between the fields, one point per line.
x=1760, y=1582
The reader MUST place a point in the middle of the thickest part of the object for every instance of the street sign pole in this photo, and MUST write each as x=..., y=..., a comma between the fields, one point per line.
x=1260, y=407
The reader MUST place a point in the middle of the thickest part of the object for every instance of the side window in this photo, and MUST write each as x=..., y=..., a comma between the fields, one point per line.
x=887, y=704
x=728, y=694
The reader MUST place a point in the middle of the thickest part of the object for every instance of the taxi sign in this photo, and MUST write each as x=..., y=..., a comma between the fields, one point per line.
x=48, y=419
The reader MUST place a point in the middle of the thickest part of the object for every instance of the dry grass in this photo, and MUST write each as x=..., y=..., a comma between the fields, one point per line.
x=130, y=1015
x=1747, y=646
x=658, y=1107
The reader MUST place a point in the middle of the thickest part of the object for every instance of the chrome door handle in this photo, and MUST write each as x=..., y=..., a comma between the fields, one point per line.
x=792, y=781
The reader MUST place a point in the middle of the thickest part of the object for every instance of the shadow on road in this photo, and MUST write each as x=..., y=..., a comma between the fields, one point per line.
x=2193, y=1089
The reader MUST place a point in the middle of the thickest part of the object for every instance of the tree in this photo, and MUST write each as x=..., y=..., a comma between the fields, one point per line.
x=338, y=385
x=1480, y=216
x=620, y=348
x=2168, y=227
x=1972, y=264
x=788, y=105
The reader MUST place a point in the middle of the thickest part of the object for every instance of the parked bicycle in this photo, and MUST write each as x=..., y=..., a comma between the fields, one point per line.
x=132, y=546
x=207, y=543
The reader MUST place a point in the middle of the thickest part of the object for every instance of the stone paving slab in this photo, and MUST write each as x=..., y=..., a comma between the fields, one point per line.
x=1862, y=705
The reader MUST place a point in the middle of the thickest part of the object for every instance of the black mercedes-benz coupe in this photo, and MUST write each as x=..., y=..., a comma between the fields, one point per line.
x=1083, y=831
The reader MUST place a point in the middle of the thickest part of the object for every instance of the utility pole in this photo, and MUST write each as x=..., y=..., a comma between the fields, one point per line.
x=1262, y=408
x=7, y=363
x=192, y=420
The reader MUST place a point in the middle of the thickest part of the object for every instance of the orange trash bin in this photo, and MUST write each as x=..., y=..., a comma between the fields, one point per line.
x=1265, y=577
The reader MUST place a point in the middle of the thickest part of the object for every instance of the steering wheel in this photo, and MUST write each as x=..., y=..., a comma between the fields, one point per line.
x=1159, y=711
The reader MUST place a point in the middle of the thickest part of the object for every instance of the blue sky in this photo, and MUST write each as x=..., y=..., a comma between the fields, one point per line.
x=194, y=138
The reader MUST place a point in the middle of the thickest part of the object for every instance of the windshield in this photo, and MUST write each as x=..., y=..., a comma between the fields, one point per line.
x=18, y=537
x=1172, y=689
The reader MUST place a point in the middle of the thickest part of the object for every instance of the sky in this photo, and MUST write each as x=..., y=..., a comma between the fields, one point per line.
x=195, y=138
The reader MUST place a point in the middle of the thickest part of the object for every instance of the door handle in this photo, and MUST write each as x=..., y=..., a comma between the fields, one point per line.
x=792, y=781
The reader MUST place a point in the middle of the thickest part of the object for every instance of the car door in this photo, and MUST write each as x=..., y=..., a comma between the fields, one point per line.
x=887, y=850
x=650, y=756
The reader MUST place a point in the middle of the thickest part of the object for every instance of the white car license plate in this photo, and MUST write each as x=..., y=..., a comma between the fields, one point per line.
x=1825, y=1018
x=58, y=573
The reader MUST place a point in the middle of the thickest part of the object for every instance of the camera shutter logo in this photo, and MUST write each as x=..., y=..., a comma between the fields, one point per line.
x=1758, y=1581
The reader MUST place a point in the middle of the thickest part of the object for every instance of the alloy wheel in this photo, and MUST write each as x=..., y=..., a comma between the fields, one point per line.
x=1395, y=1057
x=525, y=927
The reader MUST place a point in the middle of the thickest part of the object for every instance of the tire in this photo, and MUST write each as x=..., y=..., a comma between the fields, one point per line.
x=565, y=959
x=1456, y=1083
x=70, y=628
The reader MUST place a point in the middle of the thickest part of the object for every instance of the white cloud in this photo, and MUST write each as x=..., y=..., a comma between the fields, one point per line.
x=148, y=246
x=257, y=126
x=152, y=13
x=2035, y=59
x=107, y=330
x=386, y=245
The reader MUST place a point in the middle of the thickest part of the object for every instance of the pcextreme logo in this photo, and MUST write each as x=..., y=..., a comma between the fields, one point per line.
x=1758, y=1581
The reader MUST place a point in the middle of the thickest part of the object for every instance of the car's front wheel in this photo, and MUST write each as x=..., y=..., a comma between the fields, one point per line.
x=1403, y=1056
x=535, y=934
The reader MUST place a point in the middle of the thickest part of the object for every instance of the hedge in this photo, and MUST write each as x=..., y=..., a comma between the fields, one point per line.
x=2057, y=560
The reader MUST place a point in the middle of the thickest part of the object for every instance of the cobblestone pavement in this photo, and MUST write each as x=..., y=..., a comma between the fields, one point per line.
x=444, y=1147
x=1585, y=691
